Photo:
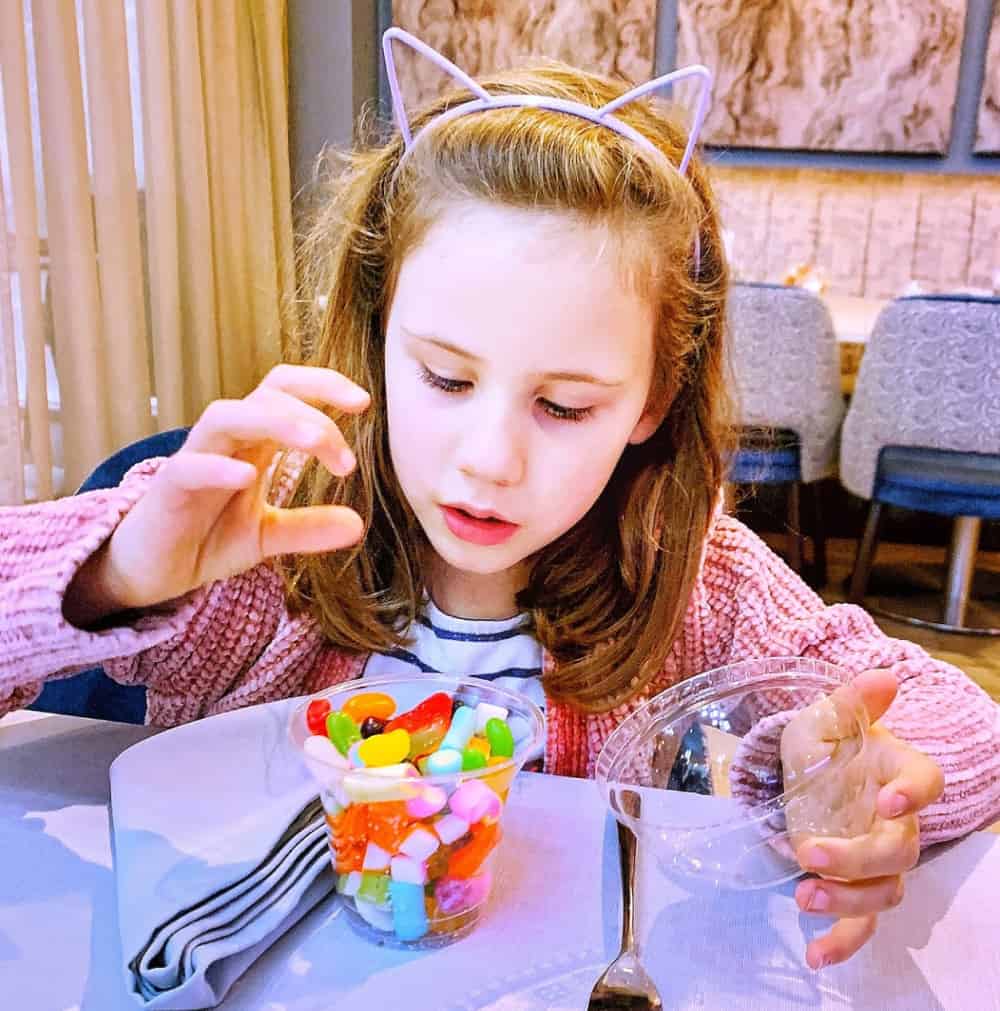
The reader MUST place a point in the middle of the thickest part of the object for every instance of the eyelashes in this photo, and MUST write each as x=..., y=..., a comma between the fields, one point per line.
x=553, y=410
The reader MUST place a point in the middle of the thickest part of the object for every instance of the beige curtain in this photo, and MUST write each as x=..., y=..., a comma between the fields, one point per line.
x=129, y=301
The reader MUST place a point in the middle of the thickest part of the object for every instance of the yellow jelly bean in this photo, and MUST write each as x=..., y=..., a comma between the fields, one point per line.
x=480, y=744
x=385, y=749
x=377, y=704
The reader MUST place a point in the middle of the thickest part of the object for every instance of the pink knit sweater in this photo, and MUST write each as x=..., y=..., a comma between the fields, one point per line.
x=234, y=644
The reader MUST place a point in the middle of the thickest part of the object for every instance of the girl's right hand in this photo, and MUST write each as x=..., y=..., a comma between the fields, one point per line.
x=205, y=515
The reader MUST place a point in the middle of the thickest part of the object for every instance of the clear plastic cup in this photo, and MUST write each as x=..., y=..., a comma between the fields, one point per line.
x=694, y=772
x=410, y=871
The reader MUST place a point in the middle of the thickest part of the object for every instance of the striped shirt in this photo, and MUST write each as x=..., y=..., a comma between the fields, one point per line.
x=502, y=652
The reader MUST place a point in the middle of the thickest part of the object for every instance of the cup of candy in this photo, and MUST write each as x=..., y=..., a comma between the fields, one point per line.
x=414, y=774
x=696, y=772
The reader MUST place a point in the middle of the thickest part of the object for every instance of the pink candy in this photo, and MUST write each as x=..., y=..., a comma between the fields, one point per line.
x=474, y=800
x=455, y=894
x=428, y=801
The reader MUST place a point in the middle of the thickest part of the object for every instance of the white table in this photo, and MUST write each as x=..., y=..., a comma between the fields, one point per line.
x=552, y=928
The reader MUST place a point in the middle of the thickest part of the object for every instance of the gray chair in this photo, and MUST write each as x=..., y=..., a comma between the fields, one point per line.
x=785, y=367
x=923, y=432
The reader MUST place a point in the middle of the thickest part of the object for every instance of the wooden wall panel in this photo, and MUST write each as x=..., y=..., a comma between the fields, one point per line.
x=988, y=131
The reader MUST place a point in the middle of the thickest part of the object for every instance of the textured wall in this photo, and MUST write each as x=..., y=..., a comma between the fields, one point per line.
x=866, y=233
x=611, y=36
x=872, y=75
x=988, y=132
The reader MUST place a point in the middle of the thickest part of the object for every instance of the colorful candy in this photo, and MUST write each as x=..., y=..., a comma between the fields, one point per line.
x=410, y=853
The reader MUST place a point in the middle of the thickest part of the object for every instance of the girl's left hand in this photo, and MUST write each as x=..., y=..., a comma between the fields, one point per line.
x=875, y=831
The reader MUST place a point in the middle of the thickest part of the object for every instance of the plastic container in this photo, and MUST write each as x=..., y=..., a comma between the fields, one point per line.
x=392, y=830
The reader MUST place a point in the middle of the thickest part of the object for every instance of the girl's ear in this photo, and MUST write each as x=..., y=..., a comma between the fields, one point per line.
x=648, y=423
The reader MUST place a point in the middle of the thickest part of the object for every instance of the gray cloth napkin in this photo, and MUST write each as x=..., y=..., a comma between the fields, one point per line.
x=219, y=846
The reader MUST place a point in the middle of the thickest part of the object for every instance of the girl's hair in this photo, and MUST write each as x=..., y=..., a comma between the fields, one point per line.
x=608, y=598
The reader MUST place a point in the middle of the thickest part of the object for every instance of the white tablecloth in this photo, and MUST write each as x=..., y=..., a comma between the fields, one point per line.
x=553, y=925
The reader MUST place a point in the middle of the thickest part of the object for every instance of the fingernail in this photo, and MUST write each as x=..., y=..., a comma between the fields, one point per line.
x=816, y=857
x=898, y=805
x=820, y=901
x=347, y=460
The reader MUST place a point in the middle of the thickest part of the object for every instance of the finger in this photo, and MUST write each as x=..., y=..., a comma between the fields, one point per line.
x=843, y=940
x=318, y=386
x=917, y=781
x=877, y=689
x=272, y=416
x=832, y=898
x=892, y=847
x=208, y=472
x=309, y=530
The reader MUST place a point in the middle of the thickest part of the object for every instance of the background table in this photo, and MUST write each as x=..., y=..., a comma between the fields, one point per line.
x=552, y=928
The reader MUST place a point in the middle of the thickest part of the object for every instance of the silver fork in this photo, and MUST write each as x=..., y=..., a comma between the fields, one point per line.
x=624, y=984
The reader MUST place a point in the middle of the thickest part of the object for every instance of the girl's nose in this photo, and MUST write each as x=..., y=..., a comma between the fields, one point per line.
x=491, y=449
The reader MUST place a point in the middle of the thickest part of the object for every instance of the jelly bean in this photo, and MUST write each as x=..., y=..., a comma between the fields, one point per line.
x=374, y=888
x=434, y=707
x=473, y=758
x=372, y=726
x=455, y=894
x=464, y=862
x=342, y=730
x=316, y=714
x=443, y=762
x=487, y=711
x=463, y=725
x=500, y=738
x=378, y=916
x=480, y=744
x=428, y=801
x=450, y=827
x=377, y=704
x=354, y=756
x=419, y=844
x=389, y=824
x=409, y=915
x=473, y=801
x=385, y=749
x=376, y=858
x=348, y=884
x=405, y=868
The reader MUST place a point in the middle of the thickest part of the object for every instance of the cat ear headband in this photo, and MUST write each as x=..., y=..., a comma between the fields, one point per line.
x=603, y=116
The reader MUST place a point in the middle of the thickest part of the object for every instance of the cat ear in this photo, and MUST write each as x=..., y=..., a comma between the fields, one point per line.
x=696, y=70
x=442, y=63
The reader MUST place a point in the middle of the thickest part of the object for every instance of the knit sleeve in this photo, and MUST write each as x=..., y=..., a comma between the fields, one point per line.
x=937, y=709
x=41, y=549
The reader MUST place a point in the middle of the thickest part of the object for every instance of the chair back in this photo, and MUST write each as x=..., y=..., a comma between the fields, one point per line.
x=785, y=368
x=930, y=377
x=91, y=692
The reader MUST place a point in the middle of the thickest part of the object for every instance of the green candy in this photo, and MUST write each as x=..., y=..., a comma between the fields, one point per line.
x=473, y=759
x=500, y=738
x=374, y=887
x=342, y=731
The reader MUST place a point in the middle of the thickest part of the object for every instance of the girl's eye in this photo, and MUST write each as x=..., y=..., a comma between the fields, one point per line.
x=561, y=413
x=441, y=382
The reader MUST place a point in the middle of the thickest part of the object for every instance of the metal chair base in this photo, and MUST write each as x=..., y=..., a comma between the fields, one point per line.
x=961, y=567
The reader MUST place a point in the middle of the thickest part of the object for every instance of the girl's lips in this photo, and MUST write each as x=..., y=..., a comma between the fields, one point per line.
x=475, y=530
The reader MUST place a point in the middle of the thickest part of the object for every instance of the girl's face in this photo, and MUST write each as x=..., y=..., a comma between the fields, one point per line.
x=518, y=365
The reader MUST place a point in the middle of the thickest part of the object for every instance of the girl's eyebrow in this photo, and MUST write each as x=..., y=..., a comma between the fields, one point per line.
x=563, y=377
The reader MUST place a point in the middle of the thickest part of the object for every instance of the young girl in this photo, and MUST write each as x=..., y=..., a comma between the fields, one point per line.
x=504, y=442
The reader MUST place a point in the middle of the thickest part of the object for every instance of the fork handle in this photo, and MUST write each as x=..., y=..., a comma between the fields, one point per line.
x=626, y=859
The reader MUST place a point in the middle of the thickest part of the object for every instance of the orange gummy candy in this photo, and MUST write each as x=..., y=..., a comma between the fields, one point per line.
x=464, y=862
x=388, y=824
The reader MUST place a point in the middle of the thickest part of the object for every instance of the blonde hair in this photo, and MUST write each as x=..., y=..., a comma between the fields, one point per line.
x=608, y=597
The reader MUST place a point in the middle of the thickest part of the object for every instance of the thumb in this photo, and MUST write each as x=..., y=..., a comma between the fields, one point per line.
x=877, y=689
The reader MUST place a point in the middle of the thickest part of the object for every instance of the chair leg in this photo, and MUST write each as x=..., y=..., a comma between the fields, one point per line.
x=866, y=555
x=961, y=566
x=818, y=536
x=794, y=523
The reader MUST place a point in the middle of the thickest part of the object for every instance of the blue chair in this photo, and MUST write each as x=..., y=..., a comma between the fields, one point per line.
x=923, y=433
x=785, y=369
x=91, y=692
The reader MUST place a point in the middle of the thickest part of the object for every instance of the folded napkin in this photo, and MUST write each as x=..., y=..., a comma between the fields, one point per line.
x=219, y=848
